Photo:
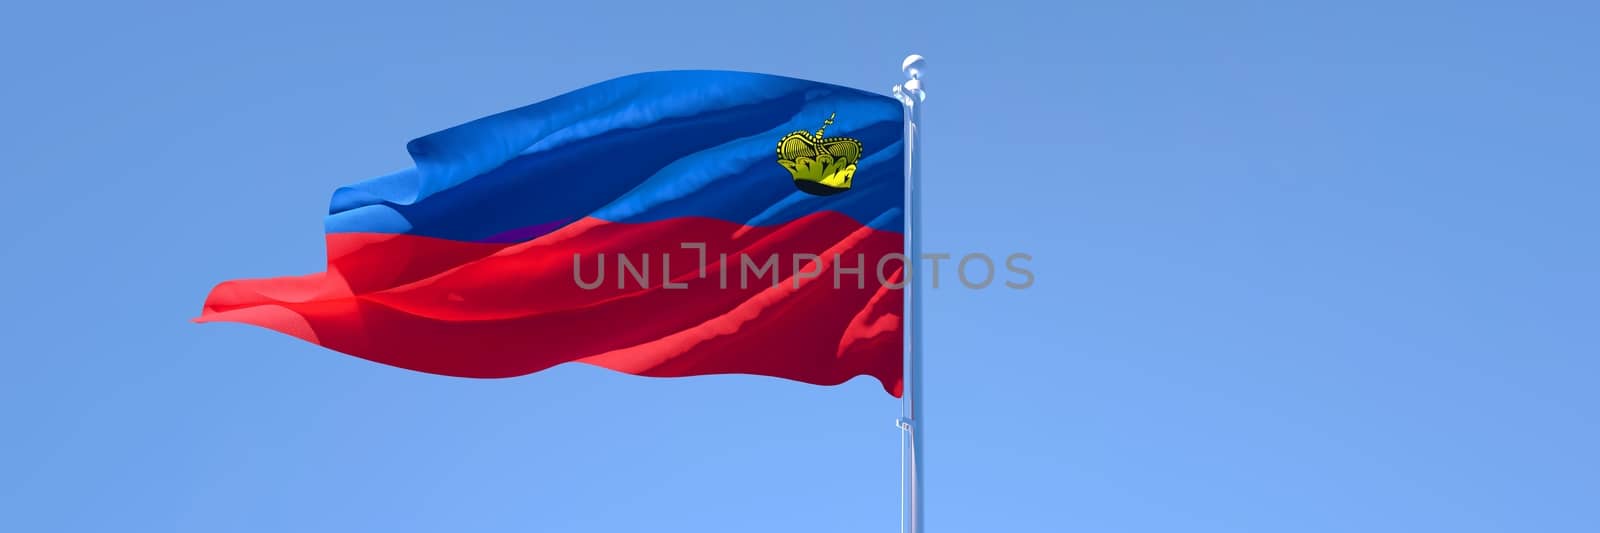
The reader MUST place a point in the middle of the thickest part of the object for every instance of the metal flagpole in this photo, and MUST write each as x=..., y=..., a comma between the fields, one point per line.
x=912, y=434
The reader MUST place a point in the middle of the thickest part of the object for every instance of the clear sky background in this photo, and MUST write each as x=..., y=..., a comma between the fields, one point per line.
x=1299, y=268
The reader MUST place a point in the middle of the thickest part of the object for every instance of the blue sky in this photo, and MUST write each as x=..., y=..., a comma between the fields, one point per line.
x=1300, y=268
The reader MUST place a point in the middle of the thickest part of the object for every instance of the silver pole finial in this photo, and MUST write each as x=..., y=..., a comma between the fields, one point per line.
x=913, y=67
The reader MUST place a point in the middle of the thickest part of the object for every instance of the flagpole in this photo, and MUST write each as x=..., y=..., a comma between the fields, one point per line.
x=912, y=433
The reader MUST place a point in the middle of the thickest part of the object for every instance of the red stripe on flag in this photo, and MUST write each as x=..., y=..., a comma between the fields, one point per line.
x=495, y=310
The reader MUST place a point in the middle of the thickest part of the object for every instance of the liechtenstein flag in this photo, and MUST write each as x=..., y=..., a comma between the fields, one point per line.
x=661, y=224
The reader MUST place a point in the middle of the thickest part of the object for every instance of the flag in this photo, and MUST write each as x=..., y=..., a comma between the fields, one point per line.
x=661, y=224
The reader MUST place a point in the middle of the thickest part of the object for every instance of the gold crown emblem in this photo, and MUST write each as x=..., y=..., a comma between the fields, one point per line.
x=820, y=166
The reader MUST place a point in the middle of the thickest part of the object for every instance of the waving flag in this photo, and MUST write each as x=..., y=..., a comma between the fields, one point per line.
x=662, y=224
